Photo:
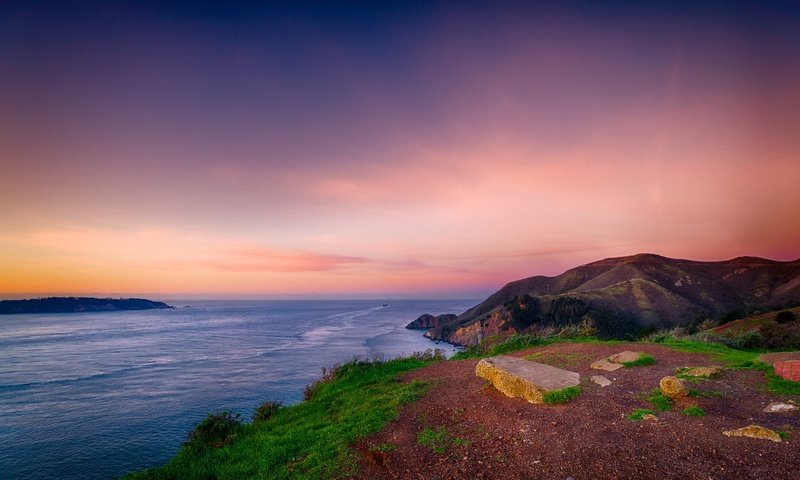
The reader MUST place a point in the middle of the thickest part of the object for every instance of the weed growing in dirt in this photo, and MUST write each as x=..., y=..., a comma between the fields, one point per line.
x=639, y=414
x=642, y=361
x=561, y=396
x=383, y=447
x=694, y=411
x=439, y=440
x=659, y=400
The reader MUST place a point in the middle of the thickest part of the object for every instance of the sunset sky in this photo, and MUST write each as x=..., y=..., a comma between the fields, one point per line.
x=388, y=148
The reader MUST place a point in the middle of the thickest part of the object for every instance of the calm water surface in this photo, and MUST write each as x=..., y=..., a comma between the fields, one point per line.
x=96, y=395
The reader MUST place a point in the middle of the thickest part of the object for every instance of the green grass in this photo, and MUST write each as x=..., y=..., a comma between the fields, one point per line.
x=383, y=447
x=694, y=411
x=729, y=356
x=312, y=439
x=659, y=400
x=639, y=414
x=561, y=396
x=439, y=440
x=705, y=393
x=642, y=361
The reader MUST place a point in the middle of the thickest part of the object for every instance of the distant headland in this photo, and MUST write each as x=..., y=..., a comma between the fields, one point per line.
x=77, y=304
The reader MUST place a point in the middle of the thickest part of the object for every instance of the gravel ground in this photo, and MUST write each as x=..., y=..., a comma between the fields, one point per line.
x=588, y=438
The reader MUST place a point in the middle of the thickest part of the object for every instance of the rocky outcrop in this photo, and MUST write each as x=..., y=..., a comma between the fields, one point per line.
x=428, y=321
x=621, y=296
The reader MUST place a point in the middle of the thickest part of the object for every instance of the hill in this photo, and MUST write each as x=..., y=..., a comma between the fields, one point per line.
x=77, y=304
x=623, y=296
x=750, y=324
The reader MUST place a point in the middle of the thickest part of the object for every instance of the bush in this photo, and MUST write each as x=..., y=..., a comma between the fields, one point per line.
x=217, y=430
x=266, y=411
x=785, y=317
x=780, y=335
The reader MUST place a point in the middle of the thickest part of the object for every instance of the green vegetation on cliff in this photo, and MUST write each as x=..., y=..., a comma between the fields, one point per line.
x=309, y=440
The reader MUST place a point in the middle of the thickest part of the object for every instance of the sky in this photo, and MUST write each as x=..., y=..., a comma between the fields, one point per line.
x=388, y=149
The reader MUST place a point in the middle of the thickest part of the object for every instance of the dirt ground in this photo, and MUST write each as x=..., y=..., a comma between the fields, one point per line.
x=487, y=435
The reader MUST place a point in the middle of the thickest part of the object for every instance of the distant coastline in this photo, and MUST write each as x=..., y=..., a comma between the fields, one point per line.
x=77, y=304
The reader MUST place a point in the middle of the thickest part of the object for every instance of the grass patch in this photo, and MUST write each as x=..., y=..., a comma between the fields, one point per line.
x=639, y=414
x=694, y=393
x=729, y=356
x=561, y=396
x=694, y=411
x=383, y=447
x=439, y=440
x=659, y=400
x=780, y=385
x=642, y=361
x=311, y=439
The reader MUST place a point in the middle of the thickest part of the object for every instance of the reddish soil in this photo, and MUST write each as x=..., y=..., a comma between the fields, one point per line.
x=588, y=438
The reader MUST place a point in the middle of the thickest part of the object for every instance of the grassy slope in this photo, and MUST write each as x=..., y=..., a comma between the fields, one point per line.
x=308, y=440
x=314, y=439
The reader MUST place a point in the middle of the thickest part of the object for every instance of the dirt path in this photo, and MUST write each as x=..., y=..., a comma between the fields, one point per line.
x=588, y=438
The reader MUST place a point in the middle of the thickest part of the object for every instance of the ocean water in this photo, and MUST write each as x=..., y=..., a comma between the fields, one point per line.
x=97, y=395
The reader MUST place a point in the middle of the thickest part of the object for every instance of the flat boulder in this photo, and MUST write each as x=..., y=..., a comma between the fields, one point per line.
x=625, y=357
x=601, y=380
x=604, y=364
x=520, y=378
x=780, y=407
x=754, y=431
x=700, y=372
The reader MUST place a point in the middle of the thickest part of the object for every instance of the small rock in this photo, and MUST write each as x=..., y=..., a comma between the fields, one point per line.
x=601, y=380
x=754, y=431
x=650, y=417
x=674, y=388
x=778, y=407
x=604, y=364
x=625, y=357
x=702, y=372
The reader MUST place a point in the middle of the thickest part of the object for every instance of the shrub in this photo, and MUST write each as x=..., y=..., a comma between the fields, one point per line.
x=780, y=335
x=266, y=411
x=639, y=414
x=785, y=317
x=217, y=430
x=694, y=411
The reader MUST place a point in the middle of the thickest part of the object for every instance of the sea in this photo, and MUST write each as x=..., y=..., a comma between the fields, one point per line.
x=97, y=395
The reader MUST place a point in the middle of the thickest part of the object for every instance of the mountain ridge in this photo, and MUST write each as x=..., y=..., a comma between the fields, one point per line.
x=621, y=296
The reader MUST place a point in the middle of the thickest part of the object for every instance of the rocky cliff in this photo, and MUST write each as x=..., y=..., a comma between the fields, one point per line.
x=623, y=296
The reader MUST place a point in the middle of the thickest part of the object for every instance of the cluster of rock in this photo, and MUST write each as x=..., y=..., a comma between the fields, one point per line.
x=520, y=378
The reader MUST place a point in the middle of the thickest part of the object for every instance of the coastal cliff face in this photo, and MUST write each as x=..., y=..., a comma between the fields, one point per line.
x=428, y=321
x=624, y=296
